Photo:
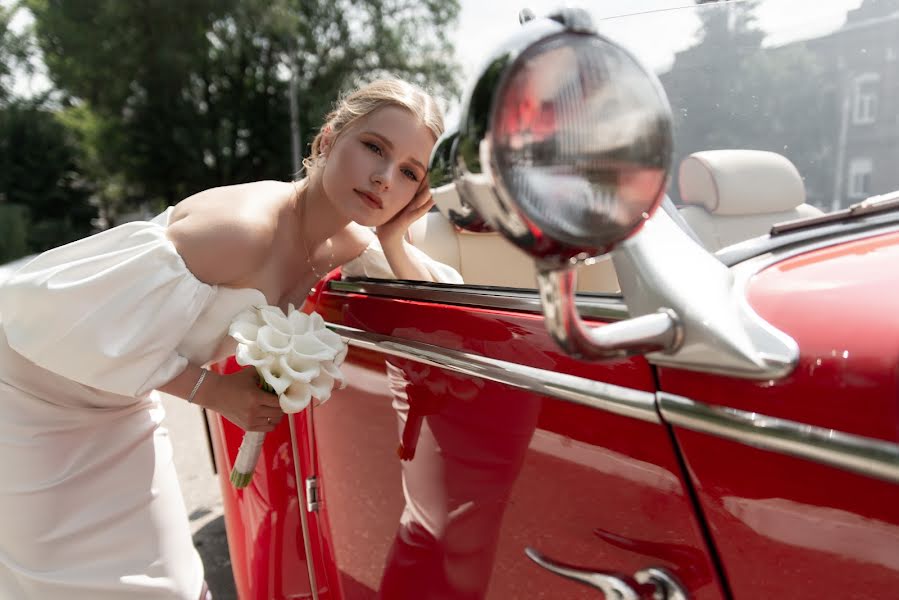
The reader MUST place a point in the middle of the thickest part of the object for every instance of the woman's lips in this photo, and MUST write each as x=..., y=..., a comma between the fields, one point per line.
x=370, y=200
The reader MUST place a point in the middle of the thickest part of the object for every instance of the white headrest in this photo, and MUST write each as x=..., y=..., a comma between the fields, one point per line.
x=740, y=182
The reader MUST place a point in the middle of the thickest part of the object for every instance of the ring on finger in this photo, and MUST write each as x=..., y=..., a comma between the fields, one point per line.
x=268, y=420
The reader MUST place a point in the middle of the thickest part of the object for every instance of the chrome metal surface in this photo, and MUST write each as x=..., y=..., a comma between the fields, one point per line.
x=441, y=179
x=312, y=501
x=604, y=307
x=866, y=456
x=647, y=333
x=872, y=205
x=663, y=267
x=612, y=585
x=737, y=253
x=667, y=586
x=304, y=523
x=616, y=125
x=574, y=19
x=615, y=399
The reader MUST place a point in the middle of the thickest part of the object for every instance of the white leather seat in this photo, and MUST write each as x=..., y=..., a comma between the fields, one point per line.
x=735, y=195
x=490, y=259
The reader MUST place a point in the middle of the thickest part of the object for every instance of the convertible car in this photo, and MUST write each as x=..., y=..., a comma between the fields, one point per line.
x=672, y=371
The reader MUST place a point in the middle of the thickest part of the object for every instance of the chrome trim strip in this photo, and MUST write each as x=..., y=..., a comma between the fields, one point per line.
x=615, y=399
x=768, y=244
x=859, y=454
x=605, y=307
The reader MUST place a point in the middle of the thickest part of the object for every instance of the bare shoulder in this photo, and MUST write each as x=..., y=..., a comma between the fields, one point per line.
x=225, y=234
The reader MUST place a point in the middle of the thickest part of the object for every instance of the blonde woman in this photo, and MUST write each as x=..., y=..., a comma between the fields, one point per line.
x=90, y=502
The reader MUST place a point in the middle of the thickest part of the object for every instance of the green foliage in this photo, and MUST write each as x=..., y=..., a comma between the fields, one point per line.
x=177, y=97
x=13, y=52
x=39, y=180
x=13, y=232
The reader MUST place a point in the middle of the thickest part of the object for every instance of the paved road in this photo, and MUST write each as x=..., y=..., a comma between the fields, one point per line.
x=201, y=493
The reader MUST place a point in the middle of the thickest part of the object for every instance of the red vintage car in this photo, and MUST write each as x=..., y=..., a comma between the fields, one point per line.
x=708, y=410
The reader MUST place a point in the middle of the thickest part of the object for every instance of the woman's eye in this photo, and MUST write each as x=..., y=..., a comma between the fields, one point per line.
x=373, y=147
x=410, y=174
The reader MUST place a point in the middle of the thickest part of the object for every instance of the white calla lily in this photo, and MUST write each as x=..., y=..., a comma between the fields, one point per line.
x=245, y=326
x=300, y=367
x=274, y=317
x=300, y=322
x=272, y=340
x=310, y=346
x=296, y=397
x=250, y=354
x=296, y=355
x=322, y=386
x=331, y=369
x=275, y=376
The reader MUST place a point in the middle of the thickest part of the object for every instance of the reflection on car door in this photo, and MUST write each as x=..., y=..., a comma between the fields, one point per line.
x=515, y=445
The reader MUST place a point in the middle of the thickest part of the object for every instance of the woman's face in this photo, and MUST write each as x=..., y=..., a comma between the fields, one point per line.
x=377, y=165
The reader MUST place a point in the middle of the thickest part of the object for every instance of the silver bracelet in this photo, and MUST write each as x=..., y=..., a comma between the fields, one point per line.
x=197, y=385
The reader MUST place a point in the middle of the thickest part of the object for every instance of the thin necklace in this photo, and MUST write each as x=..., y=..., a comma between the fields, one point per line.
x=318, y=276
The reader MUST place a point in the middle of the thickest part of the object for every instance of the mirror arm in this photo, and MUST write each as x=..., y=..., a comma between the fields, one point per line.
x=655, y=332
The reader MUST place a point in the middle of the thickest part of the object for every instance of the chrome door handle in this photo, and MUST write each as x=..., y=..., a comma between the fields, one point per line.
x=614, y=586
x=666, y=586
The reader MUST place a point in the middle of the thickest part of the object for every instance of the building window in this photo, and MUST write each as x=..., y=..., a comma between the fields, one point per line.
x=864, y=108
x=860, y=178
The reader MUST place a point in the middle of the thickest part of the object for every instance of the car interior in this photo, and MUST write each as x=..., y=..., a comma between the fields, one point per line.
x=728, y=196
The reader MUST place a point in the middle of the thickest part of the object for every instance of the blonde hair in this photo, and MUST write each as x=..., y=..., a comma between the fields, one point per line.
x=366, y=100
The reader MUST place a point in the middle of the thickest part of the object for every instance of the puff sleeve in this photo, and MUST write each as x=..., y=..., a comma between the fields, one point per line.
x=107, y=311
x=373, y=263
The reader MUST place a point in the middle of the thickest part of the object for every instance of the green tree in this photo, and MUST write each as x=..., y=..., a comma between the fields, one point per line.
x=13, y=52
x=729, y=91
x=41, y=190
x=13, y=232
x=195, y=94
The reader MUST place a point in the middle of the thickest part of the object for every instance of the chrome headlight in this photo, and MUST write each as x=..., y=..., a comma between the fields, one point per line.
x=565, y=142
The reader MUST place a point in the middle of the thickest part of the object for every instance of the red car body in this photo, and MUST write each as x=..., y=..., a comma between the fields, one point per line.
x=736, y=487
x=587, y=486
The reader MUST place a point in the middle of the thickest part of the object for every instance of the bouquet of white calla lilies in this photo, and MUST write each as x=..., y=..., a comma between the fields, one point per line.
x=296, y=357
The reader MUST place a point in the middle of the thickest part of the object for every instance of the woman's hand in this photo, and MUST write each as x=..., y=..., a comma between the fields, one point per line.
x=237, y=398
x=392, y=232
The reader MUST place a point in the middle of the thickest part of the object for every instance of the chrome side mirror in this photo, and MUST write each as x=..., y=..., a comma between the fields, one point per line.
x=564, y=146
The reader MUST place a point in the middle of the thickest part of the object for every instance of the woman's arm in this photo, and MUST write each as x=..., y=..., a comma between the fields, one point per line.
x=224, y=250
x=235, y=397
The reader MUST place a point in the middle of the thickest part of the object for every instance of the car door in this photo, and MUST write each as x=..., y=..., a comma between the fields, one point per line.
x=798, y=477
x=516, y=446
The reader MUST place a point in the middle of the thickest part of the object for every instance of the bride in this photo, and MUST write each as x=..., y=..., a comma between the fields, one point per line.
x=90, y=501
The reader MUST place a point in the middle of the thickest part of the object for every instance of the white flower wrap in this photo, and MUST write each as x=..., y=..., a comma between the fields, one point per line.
x=296, y=355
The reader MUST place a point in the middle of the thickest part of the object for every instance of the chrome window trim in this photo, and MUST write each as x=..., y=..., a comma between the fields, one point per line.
x=767, y=244
x=850, y=452
x=606, y=306
x=627, y=402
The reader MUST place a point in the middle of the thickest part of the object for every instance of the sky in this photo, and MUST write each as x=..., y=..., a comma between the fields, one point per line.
x=654, y=37
x=655, y=31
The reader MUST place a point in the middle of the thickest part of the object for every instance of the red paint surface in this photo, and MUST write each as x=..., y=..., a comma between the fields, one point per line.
x=262, y=521
x=496, y=469
x=787, y=527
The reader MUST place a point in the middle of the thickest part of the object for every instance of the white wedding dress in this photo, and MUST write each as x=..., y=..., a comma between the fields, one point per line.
x=90, y=506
